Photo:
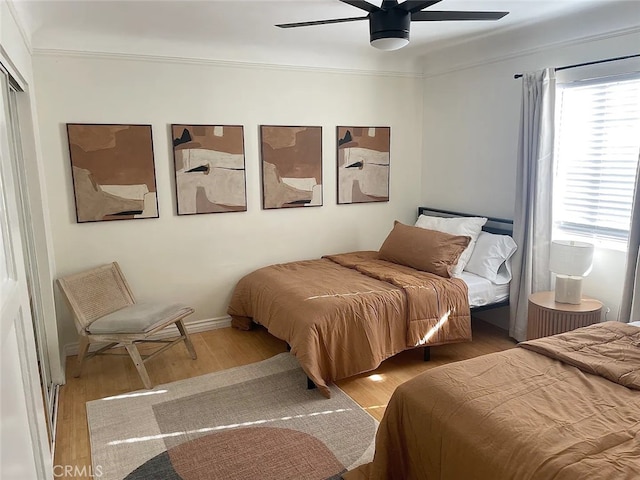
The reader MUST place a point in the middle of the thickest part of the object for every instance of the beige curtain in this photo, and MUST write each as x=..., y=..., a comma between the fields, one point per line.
x=532, y=216
x=630, y=305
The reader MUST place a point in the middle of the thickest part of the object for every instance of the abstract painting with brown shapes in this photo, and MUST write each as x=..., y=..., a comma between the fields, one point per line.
x=363, y=164
x=113, y=172
x=291, y=166
x=210, y=168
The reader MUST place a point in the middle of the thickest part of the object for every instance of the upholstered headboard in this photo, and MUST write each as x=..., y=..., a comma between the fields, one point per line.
x=500, y=226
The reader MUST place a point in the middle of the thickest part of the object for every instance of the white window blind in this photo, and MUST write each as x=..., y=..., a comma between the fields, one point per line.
x=596, y=155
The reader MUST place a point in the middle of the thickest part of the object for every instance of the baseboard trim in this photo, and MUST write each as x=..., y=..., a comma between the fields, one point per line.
x=194, y=326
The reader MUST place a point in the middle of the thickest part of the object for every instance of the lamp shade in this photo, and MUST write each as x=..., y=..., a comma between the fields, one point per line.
x=570, y=258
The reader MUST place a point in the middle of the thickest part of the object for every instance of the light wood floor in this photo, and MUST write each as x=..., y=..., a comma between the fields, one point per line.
x=104, y=376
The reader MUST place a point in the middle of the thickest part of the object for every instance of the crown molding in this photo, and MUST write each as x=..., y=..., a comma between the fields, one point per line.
x=334, y=70
x=532, y=51
x=496, y=32
x=16, y=18
x=217, y=63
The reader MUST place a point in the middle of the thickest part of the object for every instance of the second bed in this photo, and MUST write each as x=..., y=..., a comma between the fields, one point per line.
x=344, y=314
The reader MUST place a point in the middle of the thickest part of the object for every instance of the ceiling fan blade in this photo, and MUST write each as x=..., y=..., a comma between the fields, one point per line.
x=362, y=5
x=416, y=5
x=436, y=16
x=320, y=22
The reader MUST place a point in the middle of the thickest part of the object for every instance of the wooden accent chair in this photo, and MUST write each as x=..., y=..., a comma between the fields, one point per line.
x=105, y=311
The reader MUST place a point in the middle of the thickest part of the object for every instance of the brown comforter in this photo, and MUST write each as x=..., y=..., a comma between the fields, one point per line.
x=344, y=314
x=519, y=414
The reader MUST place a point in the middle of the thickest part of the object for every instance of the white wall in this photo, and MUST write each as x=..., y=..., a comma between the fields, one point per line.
x=197, y=259
x=472, y=108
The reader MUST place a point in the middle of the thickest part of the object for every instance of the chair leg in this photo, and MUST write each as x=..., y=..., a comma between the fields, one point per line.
x=83, y=347
x=187, y=340
x=137, y=361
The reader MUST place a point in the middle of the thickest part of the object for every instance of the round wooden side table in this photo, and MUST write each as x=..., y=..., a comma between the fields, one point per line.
x=548, y=317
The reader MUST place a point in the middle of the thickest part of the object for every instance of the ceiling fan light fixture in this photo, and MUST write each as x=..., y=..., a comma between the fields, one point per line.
x=389, y=43
x=390, y=22
x=389, y=30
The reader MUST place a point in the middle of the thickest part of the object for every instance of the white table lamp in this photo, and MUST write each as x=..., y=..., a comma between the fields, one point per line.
x=570, y=261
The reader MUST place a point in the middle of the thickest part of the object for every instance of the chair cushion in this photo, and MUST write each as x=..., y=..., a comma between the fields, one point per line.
x=138, y=318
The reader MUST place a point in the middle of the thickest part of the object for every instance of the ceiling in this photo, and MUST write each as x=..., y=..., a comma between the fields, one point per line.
x=244, y=29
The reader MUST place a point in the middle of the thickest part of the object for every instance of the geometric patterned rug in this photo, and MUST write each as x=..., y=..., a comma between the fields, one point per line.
x=258, y=421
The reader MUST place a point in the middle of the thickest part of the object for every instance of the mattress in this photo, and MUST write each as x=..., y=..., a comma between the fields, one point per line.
x=483, y=291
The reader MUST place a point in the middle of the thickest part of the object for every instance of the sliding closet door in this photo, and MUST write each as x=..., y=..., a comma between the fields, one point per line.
x=49, y=388
x=23, y=430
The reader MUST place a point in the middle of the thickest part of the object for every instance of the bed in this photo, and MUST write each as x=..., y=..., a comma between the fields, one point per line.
x=561, y=407
x=344, y=314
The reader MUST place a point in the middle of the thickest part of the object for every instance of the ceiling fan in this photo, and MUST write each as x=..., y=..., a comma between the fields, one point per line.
x=389, y=23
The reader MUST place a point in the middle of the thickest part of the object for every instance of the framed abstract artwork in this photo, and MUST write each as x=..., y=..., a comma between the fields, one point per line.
x=363, y=164
x=210, y=168
x=113, y=171
x=291, y=166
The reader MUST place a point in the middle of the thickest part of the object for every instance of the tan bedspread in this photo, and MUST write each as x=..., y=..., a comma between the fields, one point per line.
x=610, y=350
x=519, y=414
x=344, y=314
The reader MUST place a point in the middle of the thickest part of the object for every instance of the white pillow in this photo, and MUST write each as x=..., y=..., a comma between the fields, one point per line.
x=491, y=257
x=468, y=226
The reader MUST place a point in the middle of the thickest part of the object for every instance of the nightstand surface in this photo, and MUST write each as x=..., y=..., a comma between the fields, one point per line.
x=548, y=317
x=547, y=300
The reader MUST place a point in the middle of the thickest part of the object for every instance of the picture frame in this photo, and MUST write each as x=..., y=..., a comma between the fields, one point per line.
x=363, y=164
x=209, y=167
x=113, y=171
x=291, y=166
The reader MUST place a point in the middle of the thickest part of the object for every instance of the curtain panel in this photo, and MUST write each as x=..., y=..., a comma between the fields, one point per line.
x=630, y=305
x=532, y=221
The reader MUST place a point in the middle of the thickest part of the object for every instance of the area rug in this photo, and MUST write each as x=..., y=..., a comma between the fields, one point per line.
x=258, y=421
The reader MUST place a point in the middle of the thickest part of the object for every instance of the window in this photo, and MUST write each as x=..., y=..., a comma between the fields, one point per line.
x=596, y=155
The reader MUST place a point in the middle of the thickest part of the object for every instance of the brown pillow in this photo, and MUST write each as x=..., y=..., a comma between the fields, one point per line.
x=423, y=249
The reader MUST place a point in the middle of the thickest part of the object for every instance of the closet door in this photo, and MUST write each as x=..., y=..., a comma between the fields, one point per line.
x=31, y=264
x=23, y=428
